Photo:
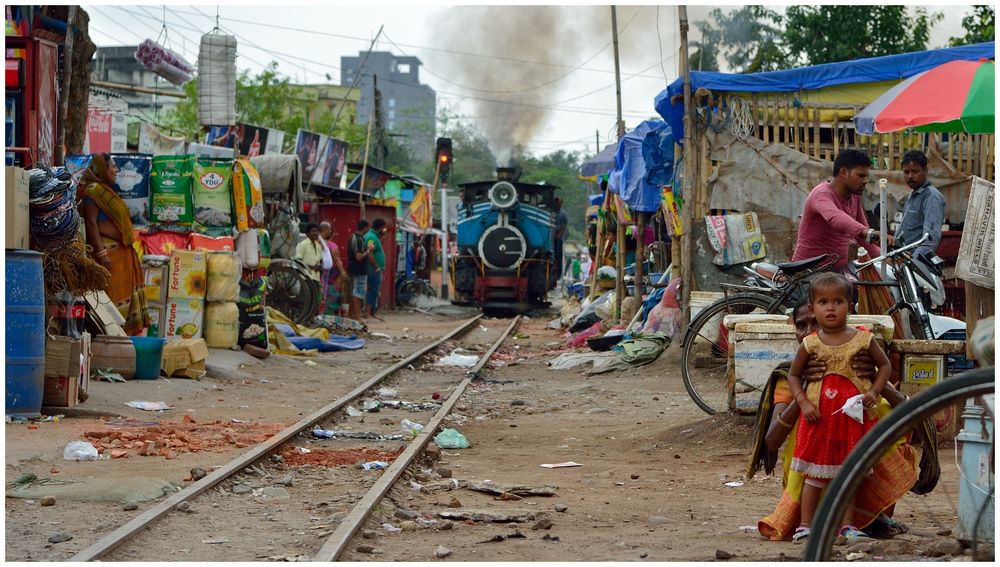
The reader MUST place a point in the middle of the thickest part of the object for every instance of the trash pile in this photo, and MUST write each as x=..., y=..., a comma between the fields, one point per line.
x=337, y=457
x=167, y=439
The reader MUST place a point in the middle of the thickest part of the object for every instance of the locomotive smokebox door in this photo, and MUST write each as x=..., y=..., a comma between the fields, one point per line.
x=502, y=247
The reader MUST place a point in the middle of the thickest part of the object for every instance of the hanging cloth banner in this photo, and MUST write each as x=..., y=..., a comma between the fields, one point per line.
x=418, y=216
x=152, y=141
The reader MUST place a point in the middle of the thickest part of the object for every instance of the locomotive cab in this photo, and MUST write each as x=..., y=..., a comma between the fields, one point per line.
x=505, y=244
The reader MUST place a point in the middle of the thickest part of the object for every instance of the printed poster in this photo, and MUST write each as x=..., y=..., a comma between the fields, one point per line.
x=323, y=158
x=976, y=261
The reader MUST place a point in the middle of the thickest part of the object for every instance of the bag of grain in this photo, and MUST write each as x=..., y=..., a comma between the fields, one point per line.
x=248, y=199
x=213, y=205
x=170, y=188
x=253, y=315
x=132, y=184
x=254, y=249
x=224, y=272
x=222, y=324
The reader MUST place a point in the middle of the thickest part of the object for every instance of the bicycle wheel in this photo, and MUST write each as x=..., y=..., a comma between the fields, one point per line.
x=705, y=357
x=839, y=494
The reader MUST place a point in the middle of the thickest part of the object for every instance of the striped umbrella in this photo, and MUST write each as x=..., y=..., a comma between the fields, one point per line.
x=955, y=97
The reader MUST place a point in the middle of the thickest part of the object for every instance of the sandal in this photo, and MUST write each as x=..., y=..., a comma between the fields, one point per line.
x=899, y=527
x=801, y=534
x=852, y=533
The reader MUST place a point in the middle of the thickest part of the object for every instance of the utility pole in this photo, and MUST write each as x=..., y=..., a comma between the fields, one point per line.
x=597, y=141
x=620, y=256
x=63, y=115
x=687, y=214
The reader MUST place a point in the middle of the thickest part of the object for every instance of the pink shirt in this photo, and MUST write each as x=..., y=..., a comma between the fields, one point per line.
x=829, y=224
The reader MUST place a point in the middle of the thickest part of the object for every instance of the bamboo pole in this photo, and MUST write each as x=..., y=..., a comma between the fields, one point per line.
x=687, y=215
x=364, y=167
x=620, y=284
x=786, y=122
x=892, y=151
x=836, y=134
x=816, y=133
x=599, y=260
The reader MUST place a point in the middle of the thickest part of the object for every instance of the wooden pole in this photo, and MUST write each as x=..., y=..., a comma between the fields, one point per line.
x=690, y=161
x=368, y=145
x=598, y=260
x=620, y=256
x=60, y=156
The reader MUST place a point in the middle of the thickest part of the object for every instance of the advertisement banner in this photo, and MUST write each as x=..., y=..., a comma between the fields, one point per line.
x=107, y=130
x=154, y=142
x=253, y=140
x=327, y=169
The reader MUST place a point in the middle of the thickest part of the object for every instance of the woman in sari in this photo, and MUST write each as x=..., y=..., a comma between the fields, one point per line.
x=110, y=237
x=891, y=478
x=335, y=276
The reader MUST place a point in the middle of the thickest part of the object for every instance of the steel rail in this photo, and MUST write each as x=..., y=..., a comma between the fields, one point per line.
x=338, y=541
x=120, y=535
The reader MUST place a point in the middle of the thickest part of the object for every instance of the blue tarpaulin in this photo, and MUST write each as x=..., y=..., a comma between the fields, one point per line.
x=874, y=69
x=643, y=165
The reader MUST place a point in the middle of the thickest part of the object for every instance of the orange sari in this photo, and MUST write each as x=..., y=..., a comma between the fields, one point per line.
x=126, y=288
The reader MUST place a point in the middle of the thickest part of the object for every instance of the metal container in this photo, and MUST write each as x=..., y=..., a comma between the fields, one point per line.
x=25, y=326
x=975, y=497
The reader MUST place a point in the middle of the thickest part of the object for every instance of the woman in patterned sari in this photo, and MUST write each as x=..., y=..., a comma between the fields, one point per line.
x=891, y=478
x=110, y=237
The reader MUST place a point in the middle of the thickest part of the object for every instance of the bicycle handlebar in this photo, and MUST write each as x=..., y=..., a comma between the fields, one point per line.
x=895, y=252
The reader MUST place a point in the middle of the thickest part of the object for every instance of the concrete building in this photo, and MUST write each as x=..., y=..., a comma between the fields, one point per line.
x=117, y=65
x=409, y=108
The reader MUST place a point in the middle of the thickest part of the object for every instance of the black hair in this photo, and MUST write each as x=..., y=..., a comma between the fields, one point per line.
x=804, y=302
x=914, y=156
x=831, y=279
x=850, y=159
x=378, y=224
x=311, y=226
x=362, y=224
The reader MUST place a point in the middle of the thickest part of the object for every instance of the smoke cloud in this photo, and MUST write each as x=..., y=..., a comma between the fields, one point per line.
x=510, y=98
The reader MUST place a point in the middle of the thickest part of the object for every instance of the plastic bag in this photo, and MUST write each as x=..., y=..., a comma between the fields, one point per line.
x=410, y=427
x=451, y=439
x=605, y=309
x=854, y=408
x=80, y=451
x=587, y=317
x=223, y=273
x=459, y=360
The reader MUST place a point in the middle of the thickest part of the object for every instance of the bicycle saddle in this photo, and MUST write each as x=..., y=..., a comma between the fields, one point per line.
x=803, y=265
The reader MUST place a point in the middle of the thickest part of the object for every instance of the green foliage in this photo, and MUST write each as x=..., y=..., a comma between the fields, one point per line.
x=825, y=34
x=978, y=25
x=749, y=38
x=560, y=168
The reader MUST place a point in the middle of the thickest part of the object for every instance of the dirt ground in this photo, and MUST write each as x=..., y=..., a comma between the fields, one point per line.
x=652, y=485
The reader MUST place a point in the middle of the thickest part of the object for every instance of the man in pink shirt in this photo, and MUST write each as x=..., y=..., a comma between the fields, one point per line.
x=833, y=216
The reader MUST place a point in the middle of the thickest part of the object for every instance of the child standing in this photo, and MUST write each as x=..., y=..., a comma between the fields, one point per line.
x=826, y=435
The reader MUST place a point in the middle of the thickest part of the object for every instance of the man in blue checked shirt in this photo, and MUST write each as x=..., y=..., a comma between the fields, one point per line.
x=924, y=210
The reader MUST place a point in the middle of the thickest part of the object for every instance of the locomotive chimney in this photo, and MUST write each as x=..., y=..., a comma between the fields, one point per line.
x=505, y=174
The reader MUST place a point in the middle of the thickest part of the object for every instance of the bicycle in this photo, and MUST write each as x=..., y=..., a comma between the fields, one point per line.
x=840, y=492
x=408, y=290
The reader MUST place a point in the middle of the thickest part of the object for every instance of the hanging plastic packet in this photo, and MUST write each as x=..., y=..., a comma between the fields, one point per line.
x=854, y=408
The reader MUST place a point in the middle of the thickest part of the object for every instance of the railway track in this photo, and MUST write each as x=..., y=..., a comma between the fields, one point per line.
x=240, y=505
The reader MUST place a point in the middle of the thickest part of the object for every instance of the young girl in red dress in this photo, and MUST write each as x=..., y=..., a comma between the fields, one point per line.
x=826, y=435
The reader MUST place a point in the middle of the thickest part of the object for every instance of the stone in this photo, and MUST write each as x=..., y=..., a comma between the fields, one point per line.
x=857, y=556
x=443, y=472
x=891, y=547
x=944, y=546
x=130, y=505
x=48, y=501
x=198, y=473
x=365, y=549
x=454, y=503
x=446, y=525
x=550, y=537
x=599, y=410
x=405, y=514
x=634, y=476
x=658, y=520
x=409, y=526
x=643, y=555
x=518, y=403
x=276, y=493
x=368, y=534
x=59, y=538
x=441, y=552
x=722, y=555
x=433, y=452
x=542, y=524
x=561, y=507
x=242, y=489
x=286, y=480
x=184, y=507
x=386, y=421
x=944, y=532
x=277, y=459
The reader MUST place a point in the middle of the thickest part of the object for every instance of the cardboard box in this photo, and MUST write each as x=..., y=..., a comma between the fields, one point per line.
x=185, y=357
x=17, y=215
x=62, y=371
x=186, y=275
x=184, y=318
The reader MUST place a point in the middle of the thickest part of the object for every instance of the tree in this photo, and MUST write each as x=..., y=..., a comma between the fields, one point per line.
x=749, y=38
x=705, y=54
x=825, y=34
x=560, y=168
x=978, y=26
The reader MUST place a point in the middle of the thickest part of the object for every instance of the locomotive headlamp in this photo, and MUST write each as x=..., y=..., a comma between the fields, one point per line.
x=503, y=195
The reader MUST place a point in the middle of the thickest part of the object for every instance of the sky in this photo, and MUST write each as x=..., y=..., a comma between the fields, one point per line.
x=541, y=76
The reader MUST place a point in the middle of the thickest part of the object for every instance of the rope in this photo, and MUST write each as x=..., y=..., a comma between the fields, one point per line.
x=742, y=118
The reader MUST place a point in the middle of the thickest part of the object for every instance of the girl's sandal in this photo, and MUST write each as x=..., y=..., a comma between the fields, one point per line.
x=853, y=533
x=801, y=534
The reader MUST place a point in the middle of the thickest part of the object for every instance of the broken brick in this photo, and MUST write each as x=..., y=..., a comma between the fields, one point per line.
x=119, y=453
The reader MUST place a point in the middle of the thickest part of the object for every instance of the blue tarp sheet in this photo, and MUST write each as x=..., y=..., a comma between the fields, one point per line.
x=887, y=68
x=643, y=164
x=333, y=344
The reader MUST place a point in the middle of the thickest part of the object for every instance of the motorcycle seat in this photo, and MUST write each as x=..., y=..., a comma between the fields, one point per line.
x=769, y=271
x=803, y=265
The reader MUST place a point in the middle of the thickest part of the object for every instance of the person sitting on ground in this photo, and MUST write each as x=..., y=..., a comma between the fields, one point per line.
x=777, y=418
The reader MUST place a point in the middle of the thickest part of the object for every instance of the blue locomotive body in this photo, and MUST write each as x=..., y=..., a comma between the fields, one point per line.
x=505, y=244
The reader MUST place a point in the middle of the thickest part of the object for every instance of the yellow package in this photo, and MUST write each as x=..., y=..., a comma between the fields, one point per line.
x=248, y=198
x=186, y=278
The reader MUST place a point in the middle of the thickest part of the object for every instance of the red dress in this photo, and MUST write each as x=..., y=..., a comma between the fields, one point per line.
x=822, y=447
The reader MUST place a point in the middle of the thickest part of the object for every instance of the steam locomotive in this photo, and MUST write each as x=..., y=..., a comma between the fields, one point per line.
x=505, y=258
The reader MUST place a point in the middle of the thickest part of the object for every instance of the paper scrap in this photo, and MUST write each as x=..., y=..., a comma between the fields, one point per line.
x=561, y=465
x=734, y=483
x=149, y=406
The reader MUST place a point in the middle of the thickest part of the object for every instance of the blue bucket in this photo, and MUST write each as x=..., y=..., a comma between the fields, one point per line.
x=25, y=326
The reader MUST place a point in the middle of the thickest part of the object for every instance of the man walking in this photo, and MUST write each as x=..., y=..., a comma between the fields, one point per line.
x=376, y=266
x=924, y=210
x=833, y=216
x=358, y=256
